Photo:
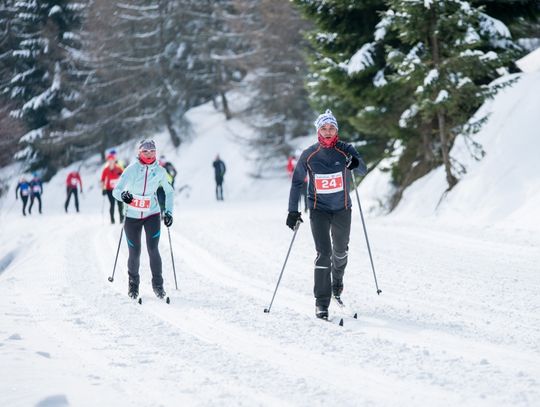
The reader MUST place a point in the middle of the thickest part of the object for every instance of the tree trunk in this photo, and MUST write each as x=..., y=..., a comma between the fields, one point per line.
x=170, y=127
x=452, y=181
x=226, y=110
x=441, y=118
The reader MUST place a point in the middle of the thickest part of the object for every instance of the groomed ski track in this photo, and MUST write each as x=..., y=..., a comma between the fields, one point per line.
x=457, y=322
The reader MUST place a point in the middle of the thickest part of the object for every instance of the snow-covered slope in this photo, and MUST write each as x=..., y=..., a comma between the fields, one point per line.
x=502, y=189
x=456, y=324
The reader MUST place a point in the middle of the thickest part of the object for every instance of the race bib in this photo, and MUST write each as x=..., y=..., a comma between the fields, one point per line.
x=74, y=181
x=140, y=203
x=24, y=192
x=329, y=183
x=36, y=188
x=113, y=182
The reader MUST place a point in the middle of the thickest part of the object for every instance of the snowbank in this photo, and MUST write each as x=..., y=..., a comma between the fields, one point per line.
x=503, y=188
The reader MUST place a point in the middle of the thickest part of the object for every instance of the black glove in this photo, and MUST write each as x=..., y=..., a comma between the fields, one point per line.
x=292, y=218
x=103, y=192
x=352, y=162
x=126, y=197
x=167, y=219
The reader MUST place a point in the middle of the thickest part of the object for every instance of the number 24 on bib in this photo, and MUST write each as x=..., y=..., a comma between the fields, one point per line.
x=329, y=183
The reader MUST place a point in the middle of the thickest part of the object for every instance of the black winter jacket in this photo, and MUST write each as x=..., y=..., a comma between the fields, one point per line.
x=329, y=180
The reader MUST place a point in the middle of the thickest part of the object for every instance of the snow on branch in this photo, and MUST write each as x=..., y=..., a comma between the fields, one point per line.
x=362, y=59
x=45, y=97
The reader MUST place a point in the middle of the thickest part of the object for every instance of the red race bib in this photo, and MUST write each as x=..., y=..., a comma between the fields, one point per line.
x=329, y=183
x=140, y=203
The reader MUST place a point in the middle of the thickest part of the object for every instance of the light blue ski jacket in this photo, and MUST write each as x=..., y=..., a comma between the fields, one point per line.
x=142, y=181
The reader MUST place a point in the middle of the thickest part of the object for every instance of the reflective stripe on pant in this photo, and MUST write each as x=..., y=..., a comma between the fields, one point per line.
x=133, y=229
x=331, y=235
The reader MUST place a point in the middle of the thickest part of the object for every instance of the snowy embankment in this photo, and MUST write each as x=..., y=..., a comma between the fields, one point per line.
x=503, y=188
x=456, y=324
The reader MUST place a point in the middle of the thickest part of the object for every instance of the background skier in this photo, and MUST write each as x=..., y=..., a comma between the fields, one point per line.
x=171, y=175
x=36, y=190
x=73, y=180
x=219, y=170
x=328, y=164
x=109, y=177
x=23, y=189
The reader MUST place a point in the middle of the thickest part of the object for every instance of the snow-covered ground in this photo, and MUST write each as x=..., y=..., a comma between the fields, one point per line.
x=457, y=323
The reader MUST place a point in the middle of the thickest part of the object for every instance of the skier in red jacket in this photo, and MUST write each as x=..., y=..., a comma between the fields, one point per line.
x=72, y=181
x=109, y=178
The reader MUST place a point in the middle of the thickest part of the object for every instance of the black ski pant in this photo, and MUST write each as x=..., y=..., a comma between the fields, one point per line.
x=32, y=197
x=219, y=189
x=72, y=191
x=133, y=229
x=331, y=232
x=24, y=202
x=112, y=201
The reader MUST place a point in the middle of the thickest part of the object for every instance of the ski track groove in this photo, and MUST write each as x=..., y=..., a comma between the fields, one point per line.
x=217, y=315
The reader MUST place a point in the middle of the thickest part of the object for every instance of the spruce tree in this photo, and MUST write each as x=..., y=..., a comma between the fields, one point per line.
x=41, y=82
x=451, y=51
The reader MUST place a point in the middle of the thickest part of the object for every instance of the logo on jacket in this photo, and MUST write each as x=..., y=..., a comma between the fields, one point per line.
x=337, y=163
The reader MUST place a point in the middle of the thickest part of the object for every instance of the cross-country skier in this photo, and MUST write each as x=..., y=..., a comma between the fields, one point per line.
x=219, y=172
x=36, y=190
x=137, y=189
x=73, y=180
x=109, y=177
x=171, y=175
x=23, y=189
x=328, y=164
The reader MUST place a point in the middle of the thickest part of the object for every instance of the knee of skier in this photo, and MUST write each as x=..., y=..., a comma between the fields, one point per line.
x=323, y=260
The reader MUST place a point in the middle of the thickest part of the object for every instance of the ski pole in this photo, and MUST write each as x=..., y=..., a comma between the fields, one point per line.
x=172, y=258
x=365, y=233
x=267, y=310
x=111, y=278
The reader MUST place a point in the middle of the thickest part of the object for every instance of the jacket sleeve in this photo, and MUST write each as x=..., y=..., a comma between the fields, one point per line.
x=169, y=191
x=297, y=182
x=361, y=169
x=122, y=183
x=17, y=189
x=80, y=180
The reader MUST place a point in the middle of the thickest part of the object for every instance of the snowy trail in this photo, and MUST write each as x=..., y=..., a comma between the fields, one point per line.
x=448, y=329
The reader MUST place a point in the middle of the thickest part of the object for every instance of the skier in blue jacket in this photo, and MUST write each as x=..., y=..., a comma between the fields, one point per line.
x=23, y=188
x=328, y=164
x=137, y=189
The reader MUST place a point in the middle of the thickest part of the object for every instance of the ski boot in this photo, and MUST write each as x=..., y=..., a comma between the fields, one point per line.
x=133, y=290
x=321, y=312
x=337, y=289
x=160, y=292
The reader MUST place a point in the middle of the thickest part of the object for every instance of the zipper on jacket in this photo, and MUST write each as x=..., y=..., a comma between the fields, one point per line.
x=144, y=189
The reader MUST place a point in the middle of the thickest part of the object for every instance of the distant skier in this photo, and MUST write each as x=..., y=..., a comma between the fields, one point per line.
x=328, y=164
x=219, y=170
x=291, y=165
x=73, y=181
x=137, y=189
x=23, y=189
x=109, y=177
x=36, y=190
x=171, y=175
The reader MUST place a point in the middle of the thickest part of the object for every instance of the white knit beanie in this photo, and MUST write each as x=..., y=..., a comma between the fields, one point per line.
x=326, y=118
